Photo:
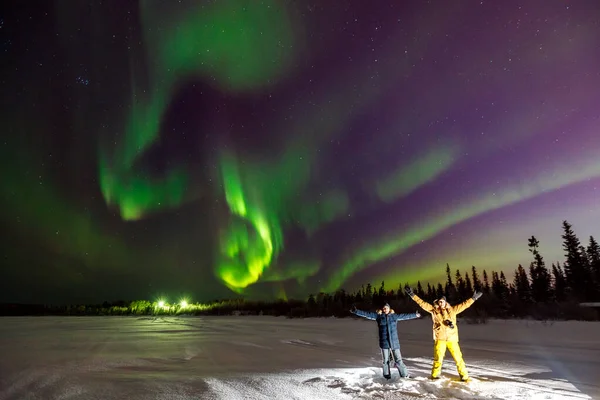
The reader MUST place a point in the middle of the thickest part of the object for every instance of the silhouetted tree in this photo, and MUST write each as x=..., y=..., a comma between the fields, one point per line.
x=340, y=301
x=468, y=286
x=589, y=287
x=382, y=290
x=521, y=285
x=486, y=283
x=593, y=252
x=358, y=297
x=420, y=291
x=476, y=281
x=439, y=291
x=560, y=282
x=378, y=297
x=576, y=265
x=400, y=295
x=503, y=282
x=540, y=277
x=430, y=292
x=496, y=287
x=460, y=286
x=311, y=303
x=450, y=289
x=500, y=290
x=368, y=294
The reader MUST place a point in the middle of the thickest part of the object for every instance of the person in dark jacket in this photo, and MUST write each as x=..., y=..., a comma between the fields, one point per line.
x=388, y=336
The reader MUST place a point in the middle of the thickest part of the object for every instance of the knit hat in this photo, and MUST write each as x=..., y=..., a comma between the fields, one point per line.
x=441, y=298
x=386, y=305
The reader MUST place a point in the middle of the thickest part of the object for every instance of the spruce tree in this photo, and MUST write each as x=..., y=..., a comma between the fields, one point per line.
x=400, y=294
x=500, y=290
x=468, y=286
x=430, y=292
x=540, y=277
x=560, y=282
x=377, y=299
x=521, y=285
x=576, y=265
x=448, y=276
x=593, y=252
x=358, y=297
x=476, y=282
x=420, y=291
x=589, y=287
x=368, y=294
x=439, y=291
x=382, y=290
x=533, y=276
x=503, y=282
x=486, y=283
x=311, y=303
x=460, y=287
x=450, y=289
x=496, y=284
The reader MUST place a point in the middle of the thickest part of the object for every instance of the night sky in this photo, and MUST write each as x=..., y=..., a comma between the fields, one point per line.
x=275, y=148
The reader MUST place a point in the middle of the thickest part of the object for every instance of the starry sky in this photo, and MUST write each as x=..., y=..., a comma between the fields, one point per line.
x=271, y=149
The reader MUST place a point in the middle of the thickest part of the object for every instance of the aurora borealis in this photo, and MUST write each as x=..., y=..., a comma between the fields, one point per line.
x=279, y=148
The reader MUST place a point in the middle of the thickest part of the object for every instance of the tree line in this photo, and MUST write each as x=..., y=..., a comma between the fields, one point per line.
x=539, y=292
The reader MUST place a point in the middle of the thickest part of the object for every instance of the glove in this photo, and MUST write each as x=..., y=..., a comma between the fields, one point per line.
x=477, y=295
x=418, y=314
x=353, y=309
x=409, y=291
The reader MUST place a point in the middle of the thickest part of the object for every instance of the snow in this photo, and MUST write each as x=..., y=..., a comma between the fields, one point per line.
x=216, y=358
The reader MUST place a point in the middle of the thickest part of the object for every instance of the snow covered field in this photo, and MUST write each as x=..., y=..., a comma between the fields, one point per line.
x=277, y=358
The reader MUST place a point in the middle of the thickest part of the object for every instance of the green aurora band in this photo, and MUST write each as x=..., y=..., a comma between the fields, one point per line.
x=263, y=200
x=246, y=250
x=417, y=173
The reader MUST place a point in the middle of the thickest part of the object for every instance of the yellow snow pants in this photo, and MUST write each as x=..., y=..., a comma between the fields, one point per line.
x=439, y=351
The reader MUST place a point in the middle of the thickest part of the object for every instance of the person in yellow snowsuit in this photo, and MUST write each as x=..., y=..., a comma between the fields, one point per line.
x=445, y=331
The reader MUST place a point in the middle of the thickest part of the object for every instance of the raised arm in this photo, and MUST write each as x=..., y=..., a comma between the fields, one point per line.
x=423, y=304
x=364, y=314
x=466, y=304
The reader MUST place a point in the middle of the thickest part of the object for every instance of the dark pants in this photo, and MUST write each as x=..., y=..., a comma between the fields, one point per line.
x=385, y=354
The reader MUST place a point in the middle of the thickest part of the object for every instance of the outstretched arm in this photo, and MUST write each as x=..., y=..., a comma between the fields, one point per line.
x=466, y=304
x=364, y=314
x=423, y=304
x=406, y=316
